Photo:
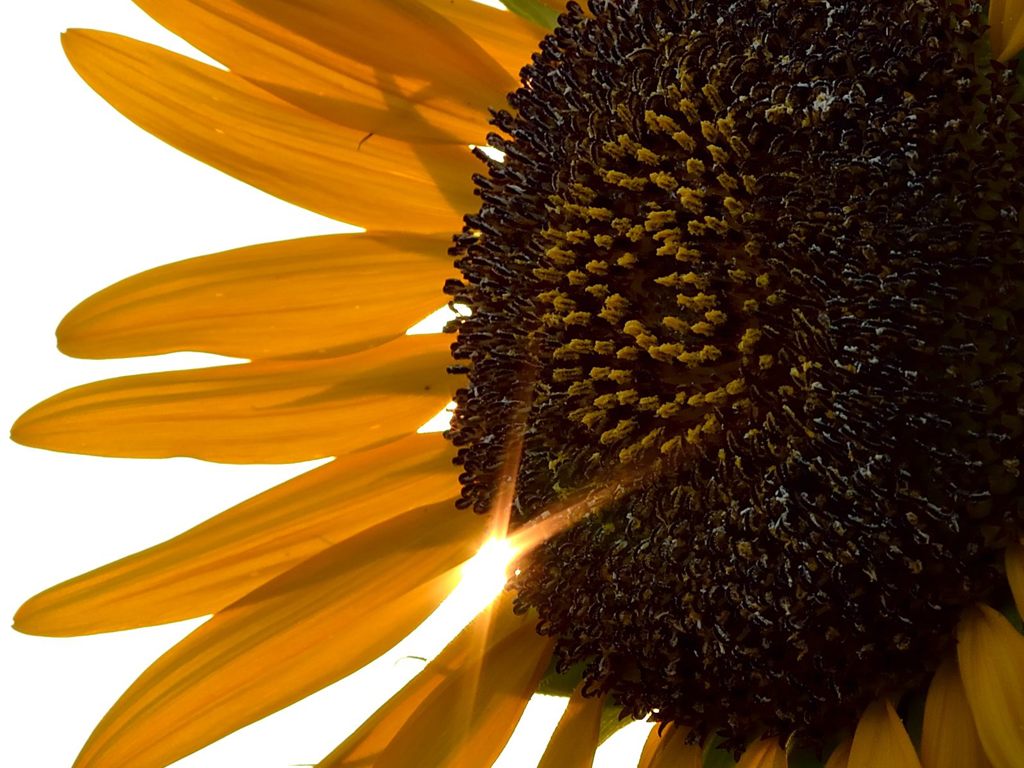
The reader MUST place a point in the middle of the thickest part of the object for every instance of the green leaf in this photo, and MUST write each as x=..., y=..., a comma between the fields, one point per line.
x=533, y=11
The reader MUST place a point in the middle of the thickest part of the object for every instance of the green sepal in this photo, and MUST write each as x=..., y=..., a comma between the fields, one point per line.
x=718, y=758
x=803, y=758
x=555, y=683
x=611, y=721
x=715, y=757
x=911, y=711
x=531, y=10
x=1013, y=616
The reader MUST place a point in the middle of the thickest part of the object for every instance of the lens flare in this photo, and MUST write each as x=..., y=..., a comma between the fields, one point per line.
x=484, y=575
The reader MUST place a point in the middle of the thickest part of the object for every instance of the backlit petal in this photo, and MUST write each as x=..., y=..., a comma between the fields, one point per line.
x=948, y=736
x=1015, y=31
x=574, y=740
x=507, y=38
x=226, y=122
x=997, y=24
x=461, y=709
x=316, y=296
x=1015, y=574
x=1007, y=20
x=212, y=565
x=668, y=749
x=309, y=627
x=881, y=741
x=840, y=757
x=764, y=754
x=991, y=656
x=397, y=119
x=432, y=81
x=263, y=412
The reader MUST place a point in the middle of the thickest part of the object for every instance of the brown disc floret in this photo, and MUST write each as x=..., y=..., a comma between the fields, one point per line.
x=760, y=266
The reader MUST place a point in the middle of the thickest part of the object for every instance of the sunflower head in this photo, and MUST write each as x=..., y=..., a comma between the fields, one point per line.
x=740, y=378
x=758, y=275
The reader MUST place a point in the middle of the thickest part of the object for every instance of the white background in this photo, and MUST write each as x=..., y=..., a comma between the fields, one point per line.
x=88, y=199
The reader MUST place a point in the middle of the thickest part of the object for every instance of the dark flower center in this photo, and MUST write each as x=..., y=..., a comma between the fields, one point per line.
x=753, y=274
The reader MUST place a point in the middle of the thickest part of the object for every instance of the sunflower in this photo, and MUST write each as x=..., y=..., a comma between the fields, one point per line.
x=737, y=373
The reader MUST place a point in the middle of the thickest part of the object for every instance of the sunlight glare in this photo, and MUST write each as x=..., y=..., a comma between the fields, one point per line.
x=437, y=320
x=492, y=152
x=484, y=575
x=432, y=323
x=440, y=422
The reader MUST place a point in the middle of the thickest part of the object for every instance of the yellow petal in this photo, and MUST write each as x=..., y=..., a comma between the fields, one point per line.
x=432, y=81
x=394, y=118
x=462, y=708
x=212, y=565
x=948, y=736
x=222, y=120
x=1015, y=574
x=668, y=749
x=996, y=32
x=507, y=38
x=269, y=411
x=311, y=626
x=574, y=740
x=881, y=741
x=1015, y=31
x=470, y=717
x=991, y=656
x=764, y=754
x=317, y=296
x=1006, y=18
x=840, y=757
